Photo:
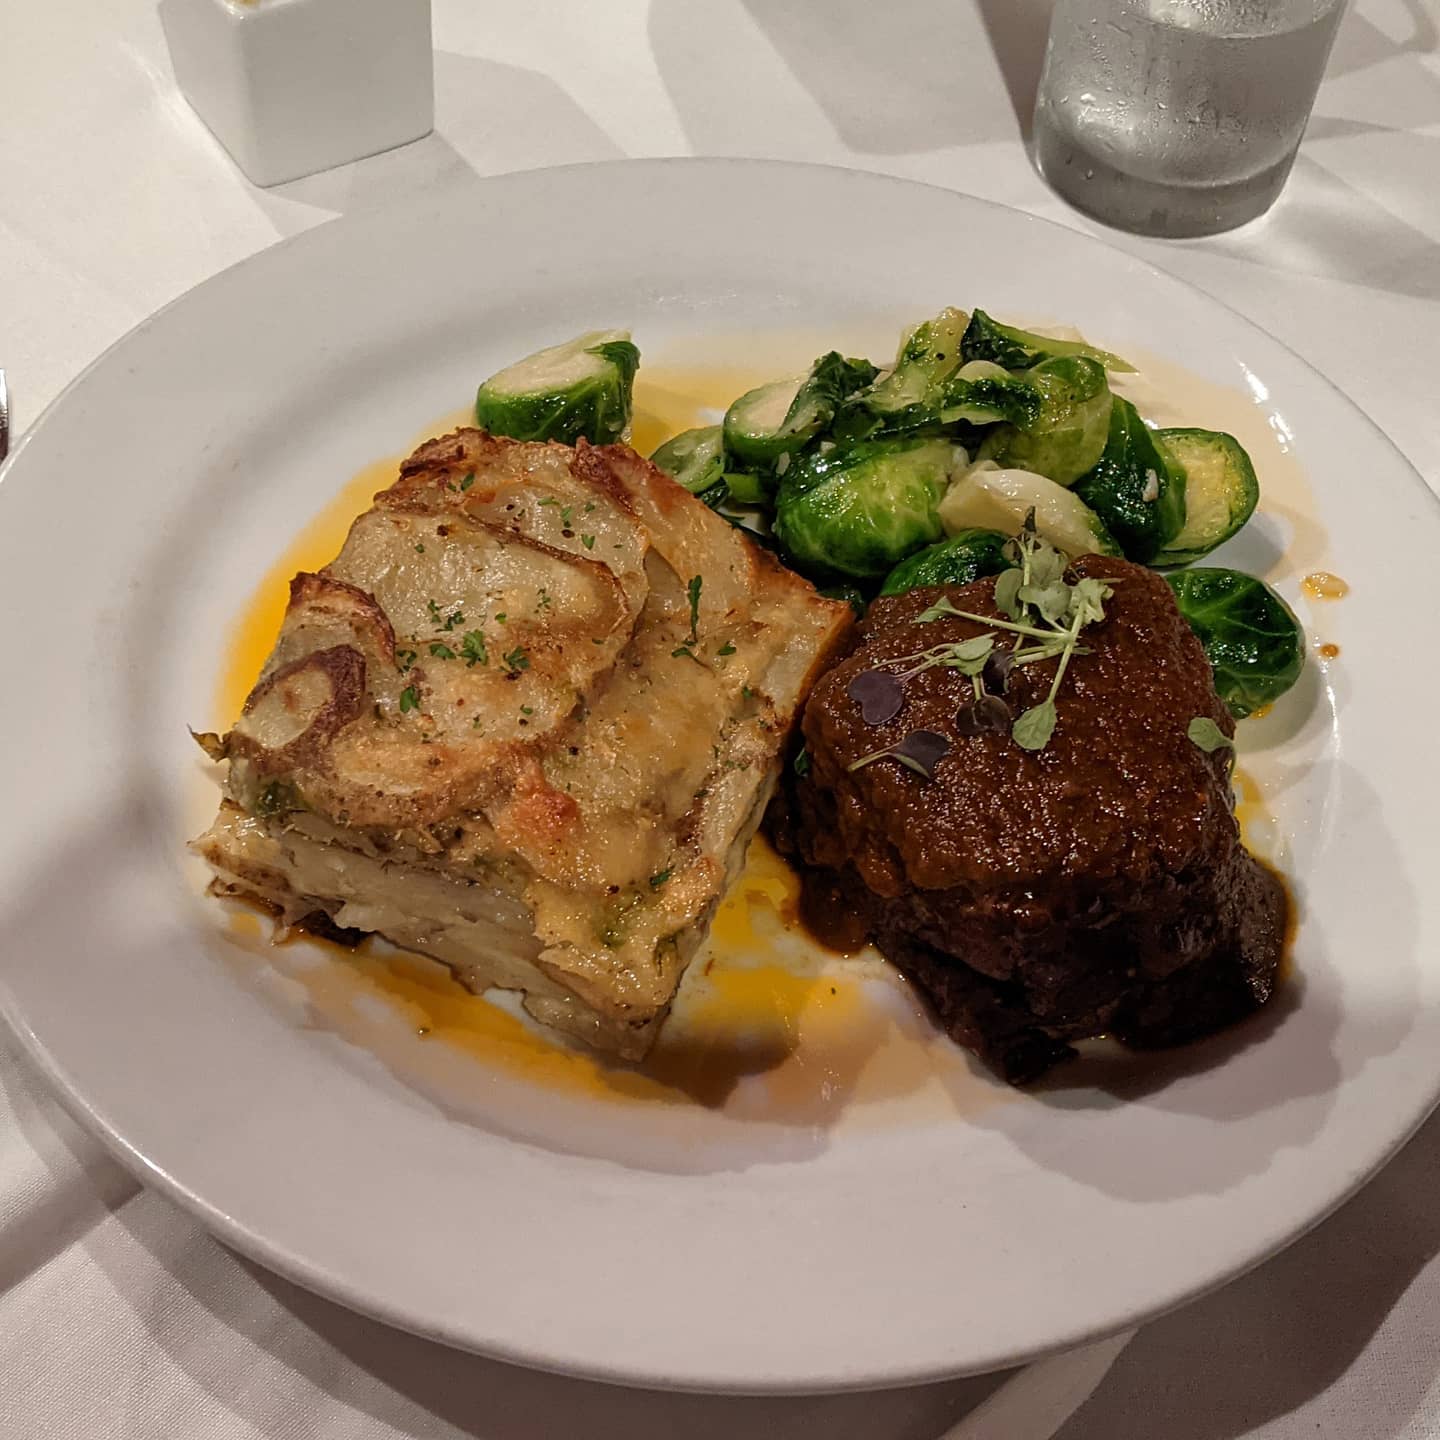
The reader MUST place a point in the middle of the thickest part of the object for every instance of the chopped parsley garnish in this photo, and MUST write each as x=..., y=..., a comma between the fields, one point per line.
x=500, y=617
x=566, y=511
x=516, y=661
x=549, y=500
x=278, y=795
x=444, y=622
x=542, y=601
x=420, y=548
x=464, y=483
x=526, y=710
x=659, y=878
x=472, y=648
x=687, y=652
x=692, y=590
x=404, y=659
x=726, y=649
x=443, y=651
x=409, y=699
x=588, y=541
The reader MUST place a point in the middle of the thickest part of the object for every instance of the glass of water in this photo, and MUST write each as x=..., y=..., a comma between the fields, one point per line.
x=1178, y=117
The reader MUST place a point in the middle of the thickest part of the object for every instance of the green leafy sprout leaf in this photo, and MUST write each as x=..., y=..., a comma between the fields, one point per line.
x=1205, y=733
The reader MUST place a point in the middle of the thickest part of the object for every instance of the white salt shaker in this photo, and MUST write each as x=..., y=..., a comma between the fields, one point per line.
x=293, y=86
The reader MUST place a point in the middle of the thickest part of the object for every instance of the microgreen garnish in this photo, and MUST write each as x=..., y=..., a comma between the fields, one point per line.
x=659, y=878
x=516, y=661
x=986, y=712
x=443, y=651
x=472, y=648
x=878, y=694
x=1044, y=609
x=1205, y=733
x=1035, y=726
x=920, y=751
x=692, y=590
x=409, y=699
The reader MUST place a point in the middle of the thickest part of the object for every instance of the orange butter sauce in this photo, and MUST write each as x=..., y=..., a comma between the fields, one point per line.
x=1322, y=585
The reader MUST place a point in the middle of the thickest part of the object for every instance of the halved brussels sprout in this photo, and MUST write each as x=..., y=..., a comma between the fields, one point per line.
x=752, y=423
x=858, y=510
x=561, y=393
x=989, y=498
x=987, y=339
x=965, y=556
x=693, y=458
x=1221, y=491
x=1067, y=436
x=1251, y=636
x=781, y=418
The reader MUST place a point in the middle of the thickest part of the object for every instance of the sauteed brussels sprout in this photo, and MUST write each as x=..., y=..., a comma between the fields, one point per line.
x=579, y=388
x=1251, y=636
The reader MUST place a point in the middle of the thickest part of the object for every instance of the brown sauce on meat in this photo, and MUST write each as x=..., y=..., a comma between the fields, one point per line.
x=1038, y=898
x=829, y=915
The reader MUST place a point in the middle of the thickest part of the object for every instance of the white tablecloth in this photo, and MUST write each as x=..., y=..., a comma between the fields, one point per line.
x=118, y=1316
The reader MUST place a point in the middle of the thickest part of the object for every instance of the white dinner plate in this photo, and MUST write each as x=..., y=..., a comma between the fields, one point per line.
x=874, y=1243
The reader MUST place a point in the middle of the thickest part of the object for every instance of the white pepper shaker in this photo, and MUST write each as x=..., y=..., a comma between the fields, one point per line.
x=290, y=87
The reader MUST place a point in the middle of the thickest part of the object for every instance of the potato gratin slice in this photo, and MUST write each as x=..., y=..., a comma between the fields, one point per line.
x=526, y=723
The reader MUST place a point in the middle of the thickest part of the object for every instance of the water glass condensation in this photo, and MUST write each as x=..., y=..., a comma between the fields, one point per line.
x=1178, y=117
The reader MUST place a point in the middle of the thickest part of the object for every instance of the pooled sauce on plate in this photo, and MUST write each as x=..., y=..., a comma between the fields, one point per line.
x=767, y=1024
x=1322, y=585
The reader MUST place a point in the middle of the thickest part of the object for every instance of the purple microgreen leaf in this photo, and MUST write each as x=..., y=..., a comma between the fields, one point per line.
x=878, y=695
x=985, y=713
x=992, y=713
x=996, y=674
x=922, y=750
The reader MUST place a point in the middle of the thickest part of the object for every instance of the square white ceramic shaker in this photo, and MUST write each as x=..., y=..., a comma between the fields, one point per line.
x=293, y=86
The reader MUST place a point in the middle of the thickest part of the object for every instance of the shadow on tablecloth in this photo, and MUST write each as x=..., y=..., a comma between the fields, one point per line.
x=1286, y=1333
